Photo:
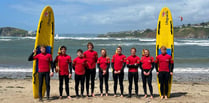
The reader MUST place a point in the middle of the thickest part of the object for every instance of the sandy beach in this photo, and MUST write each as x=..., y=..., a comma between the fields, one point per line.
x=20, y=90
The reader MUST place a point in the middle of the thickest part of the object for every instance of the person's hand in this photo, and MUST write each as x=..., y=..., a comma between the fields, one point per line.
x=171, y=73
x=70, y=75
x=148, y=73
x=104, y=72
x=51, y=74
x=115, y=72
x=145, y=73
x=157, y=73
x=135, y=64
x=119, y=72
x=34, y=51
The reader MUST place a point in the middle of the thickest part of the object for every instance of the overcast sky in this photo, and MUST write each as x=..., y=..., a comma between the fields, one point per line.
x=100, y=16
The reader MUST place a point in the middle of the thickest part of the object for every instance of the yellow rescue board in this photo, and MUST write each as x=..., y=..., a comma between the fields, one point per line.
x=165, y=37
x=44, y=36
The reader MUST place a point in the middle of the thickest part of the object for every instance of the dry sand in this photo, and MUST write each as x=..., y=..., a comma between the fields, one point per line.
x=20, y=91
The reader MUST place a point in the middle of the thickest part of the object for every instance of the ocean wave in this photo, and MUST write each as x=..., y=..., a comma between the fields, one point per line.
x=126, y=44
x=5, y=39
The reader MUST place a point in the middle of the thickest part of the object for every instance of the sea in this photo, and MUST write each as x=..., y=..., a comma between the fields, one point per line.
x=191, y=62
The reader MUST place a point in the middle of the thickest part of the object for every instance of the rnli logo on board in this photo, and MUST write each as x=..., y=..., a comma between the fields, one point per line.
x=163, y=14
x=46, y=14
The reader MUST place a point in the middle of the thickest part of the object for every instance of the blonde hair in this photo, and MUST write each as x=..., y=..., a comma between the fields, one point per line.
x=163, y=47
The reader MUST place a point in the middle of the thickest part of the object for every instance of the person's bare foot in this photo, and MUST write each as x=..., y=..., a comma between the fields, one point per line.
x=166, y=97
x=121, y=96
x=69, y=97
x=115, y=95
x=151, y=97
x=106, y=94
x=60, y=97
x=145, y=96
x=161, y=97
x=92, y=95
x=101, y=94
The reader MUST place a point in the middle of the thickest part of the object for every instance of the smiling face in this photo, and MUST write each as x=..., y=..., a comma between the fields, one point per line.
x=43, y=49
x=90, y=47
x=163, y=50
x=119, y=51
x=146, y=53
x=79, y=54
x=133, y=52
x=63, y=51
x=103, y=53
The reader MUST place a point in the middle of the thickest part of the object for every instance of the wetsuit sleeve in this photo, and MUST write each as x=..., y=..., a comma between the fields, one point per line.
x=112, y=63
x=108, y=66
x=140, y=65
x=124, y=64
x=100, y=69
x=70, y=67
x=96, y=57
x=156, y=64
x=153, y=66
x=52, y=65
x=74, y=61
x=31, y=57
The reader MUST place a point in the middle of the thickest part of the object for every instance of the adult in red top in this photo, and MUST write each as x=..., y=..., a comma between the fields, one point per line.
x=147, y=65
x=79, y=66
x=118, y=65
x=166, y=65
x=103, y=63
x=91, y=56
x=132, y=63
x=44, y=60
x=64, y=63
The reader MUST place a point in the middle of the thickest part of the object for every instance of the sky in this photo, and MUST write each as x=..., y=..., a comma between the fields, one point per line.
x=100, y=16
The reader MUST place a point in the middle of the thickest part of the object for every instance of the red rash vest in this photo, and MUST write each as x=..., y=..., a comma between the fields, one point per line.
x=91, y=57
x=164, y=61
x=63, y=61
x=44, y=60
x=80, y=64
x=118, y=61
x=103, y=61
x=132, y=60
x=147, y=62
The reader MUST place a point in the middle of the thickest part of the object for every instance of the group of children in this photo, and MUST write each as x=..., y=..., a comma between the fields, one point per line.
x=84, y=66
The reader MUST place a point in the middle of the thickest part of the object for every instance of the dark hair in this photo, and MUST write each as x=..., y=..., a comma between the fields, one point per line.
x=134, y=49
x=63, y=47
x=104, y=50
x=90, y=43
x=80, y=50
x=119, y=47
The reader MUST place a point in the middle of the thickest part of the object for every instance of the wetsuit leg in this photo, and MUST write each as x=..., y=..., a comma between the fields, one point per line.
x=115, y=77
x=106, y=81
x=101, y=82
x=77, y=80
x=47, y=80
x=144, y=83
x=130, y=80
x=66, y=85
x=167, y=75
x=150, y=84
x=136, y=78
x=121, y=76
x=40, y=78
x=87, y=80
x=162, y=82
x=60, y=84
x=82, y=83
x=93, y=74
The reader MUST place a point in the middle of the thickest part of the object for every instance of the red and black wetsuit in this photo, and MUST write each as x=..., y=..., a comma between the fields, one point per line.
x=44, y=60
x=147, y=65
x=133, y=64
x=118, y=64
x=103, y=63
x=65, y=66
x=79, y=66
x=165, y=63
x=91, y=57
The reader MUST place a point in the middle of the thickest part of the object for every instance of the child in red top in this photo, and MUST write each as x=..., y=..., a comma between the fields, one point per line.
x=147, y=65
x=65, y=70
x=166, y=65
x=133, y=63
x=79, y=66
x=103, y=63
x=91, y=56
x=118, y=65
x=44, y=60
